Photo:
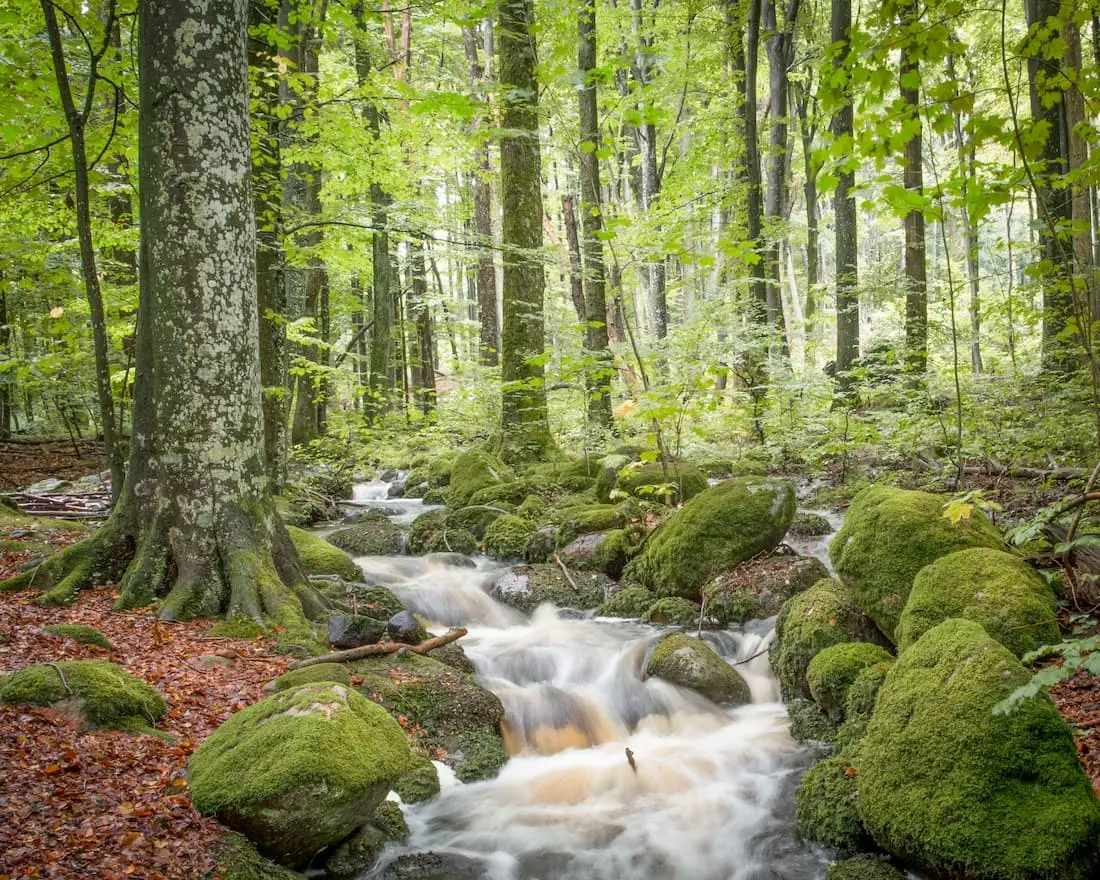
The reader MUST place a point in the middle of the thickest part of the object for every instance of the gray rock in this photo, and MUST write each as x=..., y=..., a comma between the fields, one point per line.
x=403, y=627
x=433, y=866
x=455, y=560
x=354, y=630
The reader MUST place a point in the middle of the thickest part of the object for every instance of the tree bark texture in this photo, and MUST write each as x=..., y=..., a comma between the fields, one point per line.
x=525, y=427
x=758, y=301
x=847, y=265
x=916, y=275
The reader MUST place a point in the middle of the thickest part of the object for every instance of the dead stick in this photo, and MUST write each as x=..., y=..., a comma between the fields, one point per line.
x=381, y=650
x=565, y=571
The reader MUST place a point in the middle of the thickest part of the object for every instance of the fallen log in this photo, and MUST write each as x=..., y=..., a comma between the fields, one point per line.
x=382, y=649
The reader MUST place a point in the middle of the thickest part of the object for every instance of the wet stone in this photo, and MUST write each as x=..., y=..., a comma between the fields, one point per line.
x=354, y=630
x=455, y=560
x=404, y=628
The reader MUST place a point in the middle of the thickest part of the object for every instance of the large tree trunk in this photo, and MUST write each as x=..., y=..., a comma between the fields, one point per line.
x=196, y=521
x=780, y=57
x=480, y=75
x=525, y=427
x=600, y=368
x=1048, y=106
x=77, y=120
x=916, y=278
x=267, y=206
x=847, y=277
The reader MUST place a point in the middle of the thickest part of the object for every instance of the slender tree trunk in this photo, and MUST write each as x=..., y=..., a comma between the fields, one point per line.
x=420, y=317
x=807, y=127
x=753, y=207
x=916, y=278
x=480, y=76
x=780, y=46
x=596, y=342
x=77, y=120
x=572, y=238
x=5, y=381
x=847, y=264
x=525, y=427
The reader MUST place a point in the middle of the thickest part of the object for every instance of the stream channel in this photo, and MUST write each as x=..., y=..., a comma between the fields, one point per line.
x=712, y=796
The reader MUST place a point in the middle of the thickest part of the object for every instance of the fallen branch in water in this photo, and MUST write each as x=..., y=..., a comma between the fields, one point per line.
x=753, y=657
x=382, y=650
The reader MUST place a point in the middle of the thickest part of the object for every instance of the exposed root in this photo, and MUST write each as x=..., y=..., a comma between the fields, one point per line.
x=60, y=578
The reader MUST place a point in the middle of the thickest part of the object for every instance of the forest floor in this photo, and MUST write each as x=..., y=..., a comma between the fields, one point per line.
x=76, y=803
x=26, y=460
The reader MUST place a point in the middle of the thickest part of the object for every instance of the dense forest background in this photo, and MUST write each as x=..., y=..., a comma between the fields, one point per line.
x=813, y=233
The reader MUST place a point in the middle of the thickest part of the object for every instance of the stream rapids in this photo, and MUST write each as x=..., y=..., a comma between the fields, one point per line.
x=612, y=776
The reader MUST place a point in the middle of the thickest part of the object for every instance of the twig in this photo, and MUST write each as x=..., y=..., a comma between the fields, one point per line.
x=64, y=681
x=1081, y=510
x=381, y=650
x=565, y=571
x=753, y=657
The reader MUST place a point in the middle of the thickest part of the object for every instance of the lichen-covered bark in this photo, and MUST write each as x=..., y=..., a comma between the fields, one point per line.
x=196, y=524
x=525, y=428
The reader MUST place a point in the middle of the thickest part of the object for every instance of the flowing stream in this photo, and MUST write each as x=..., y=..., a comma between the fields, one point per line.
x=710, y=795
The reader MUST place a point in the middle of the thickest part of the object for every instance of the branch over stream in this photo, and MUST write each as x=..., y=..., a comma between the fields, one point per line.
x=381, y=650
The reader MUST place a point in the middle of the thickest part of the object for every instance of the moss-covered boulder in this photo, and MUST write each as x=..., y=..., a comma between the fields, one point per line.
x=833, y=670
x=993, y=588
x=859, y=704
x=672, y=610
x=532, y=508
x=376, y=537
x=574, y=520
x=948, y=784
x=318, y=556
x=507, y=537
x=475, y=519
x=757, y=589
x=891, y=534
x=357, y=855
x=608, y=551
x=672, y=483
x=824, y=615
x=607, y=474
x=80, y=633
x=105, y=695
x=715, y=531
x=421, y=783
x=472, y=471
x=809, y=723
x=864, y=868
x=513, y=492
x=827, y=806
x=688, y=662
x=299, y=771
x=237, y=859
x=527, y=586
x=446, y=710
x=320, y=672
x=632, y=601
x=429, y=534
x=809, y=525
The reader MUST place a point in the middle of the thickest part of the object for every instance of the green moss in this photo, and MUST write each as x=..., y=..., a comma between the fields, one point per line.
x=446, y=710
x=688, y=662
x=108, y=696
x=79, y=632
x=809, y=723
x=607, y=474
x=993, y=588
x=430, y=534
x=533, y=508
x=891, y=534
x=583, y=519
x=832, y=671
x=673, y=610
x=683, y=481
x=237, y=628
x=435, y=497
x=474, y=519
x=827, y=806
x=297, y=771
x=318, y=556
x=373, y=538
x=859, y=704
x=514, y=492
x=473, y=470
x=808, y=623
x=527, y=586
x=809, y=525
x=864, y=868
x=757, y=589
x=714, y=532
x=439, y=471
x=507, y=537
x=335, y=672
x=631, y=601
x=419, y=784
x=237, y=859
x=948, y=784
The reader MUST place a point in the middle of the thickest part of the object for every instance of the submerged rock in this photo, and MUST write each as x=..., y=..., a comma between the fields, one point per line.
x=632, y=601
x=714, y=532
x=527, y=586
x=429, y=533
x=300, y=770
x=686, y=661
x=433, y=866
x=947, y=784
x=891, y=534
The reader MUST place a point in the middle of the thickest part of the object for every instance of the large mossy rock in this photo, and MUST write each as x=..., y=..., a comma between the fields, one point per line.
x=714, y=532
x=607, y=474
x=237, y=859
x=474, y=518
x=891, y=534
x=506, y=539
x=527, y=586
x=105, y=694
x=318, y=556
x=429, y=534
x=474, y=470
x=301, y=770
x=833, y=670
x=688, y=662
x=585, y=518
x=993, y=588
x=607, y=551
x=356, y=856
x=632, y=601
x=375, y=537
x=446, y=710
x=827, y=806
x=824, y=615
x=757, y=589
x=683, y=481
x=948, y=784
